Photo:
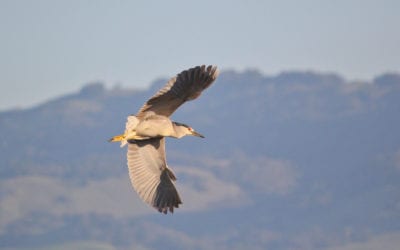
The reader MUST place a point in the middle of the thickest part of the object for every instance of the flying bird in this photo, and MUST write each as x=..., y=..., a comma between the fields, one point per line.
x=145, y=135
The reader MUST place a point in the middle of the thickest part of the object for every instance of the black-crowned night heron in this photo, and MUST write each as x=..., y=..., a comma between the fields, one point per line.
x=145, y=132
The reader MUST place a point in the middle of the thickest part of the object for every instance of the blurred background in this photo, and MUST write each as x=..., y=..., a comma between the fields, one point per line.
x=302, y=149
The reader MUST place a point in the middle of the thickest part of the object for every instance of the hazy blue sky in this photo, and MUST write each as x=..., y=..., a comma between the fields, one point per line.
x=51, y=47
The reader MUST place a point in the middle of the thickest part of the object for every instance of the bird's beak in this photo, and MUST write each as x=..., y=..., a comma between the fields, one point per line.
x=197, y=134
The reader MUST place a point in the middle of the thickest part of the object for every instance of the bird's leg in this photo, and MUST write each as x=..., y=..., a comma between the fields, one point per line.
x=117, y=138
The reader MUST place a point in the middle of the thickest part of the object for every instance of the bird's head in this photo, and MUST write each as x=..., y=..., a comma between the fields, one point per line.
x=183, y=129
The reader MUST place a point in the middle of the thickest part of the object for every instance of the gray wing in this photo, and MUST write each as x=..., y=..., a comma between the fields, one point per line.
x=150, y=176
x=186, y=86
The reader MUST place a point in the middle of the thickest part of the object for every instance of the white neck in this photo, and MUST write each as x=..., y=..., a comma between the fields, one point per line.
x=180, y=131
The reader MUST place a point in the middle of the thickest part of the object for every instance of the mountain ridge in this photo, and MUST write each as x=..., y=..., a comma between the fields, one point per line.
x=299, y=160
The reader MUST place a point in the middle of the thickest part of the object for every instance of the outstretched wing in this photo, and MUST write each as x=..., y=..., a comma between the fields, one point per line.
x=150, y=176
x=186, y=86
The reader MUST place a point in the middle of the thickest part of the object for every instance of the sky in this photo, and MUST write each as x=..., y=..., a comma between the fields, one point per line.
x=49, y=48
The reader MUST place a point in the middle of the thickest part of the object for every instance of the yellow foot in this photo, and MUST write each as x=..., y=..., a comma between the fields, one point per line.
x=117, y=138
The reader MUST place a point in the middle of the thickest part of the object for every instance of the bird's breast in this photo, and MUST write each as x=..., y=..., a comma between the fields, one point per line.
x=154, y=128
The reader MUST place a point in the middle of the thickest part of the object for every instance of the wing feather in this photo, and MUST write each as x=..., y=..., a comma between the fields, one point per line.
x=150, y=175
x=186, y=86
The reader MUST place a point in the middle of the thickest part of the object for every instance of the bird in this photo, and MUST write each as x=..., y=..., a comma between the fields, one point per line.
x=145, y=135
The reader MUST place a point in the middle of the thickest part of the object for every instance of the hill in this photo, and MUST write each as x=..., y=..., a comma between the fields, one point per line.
x=300, y=160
